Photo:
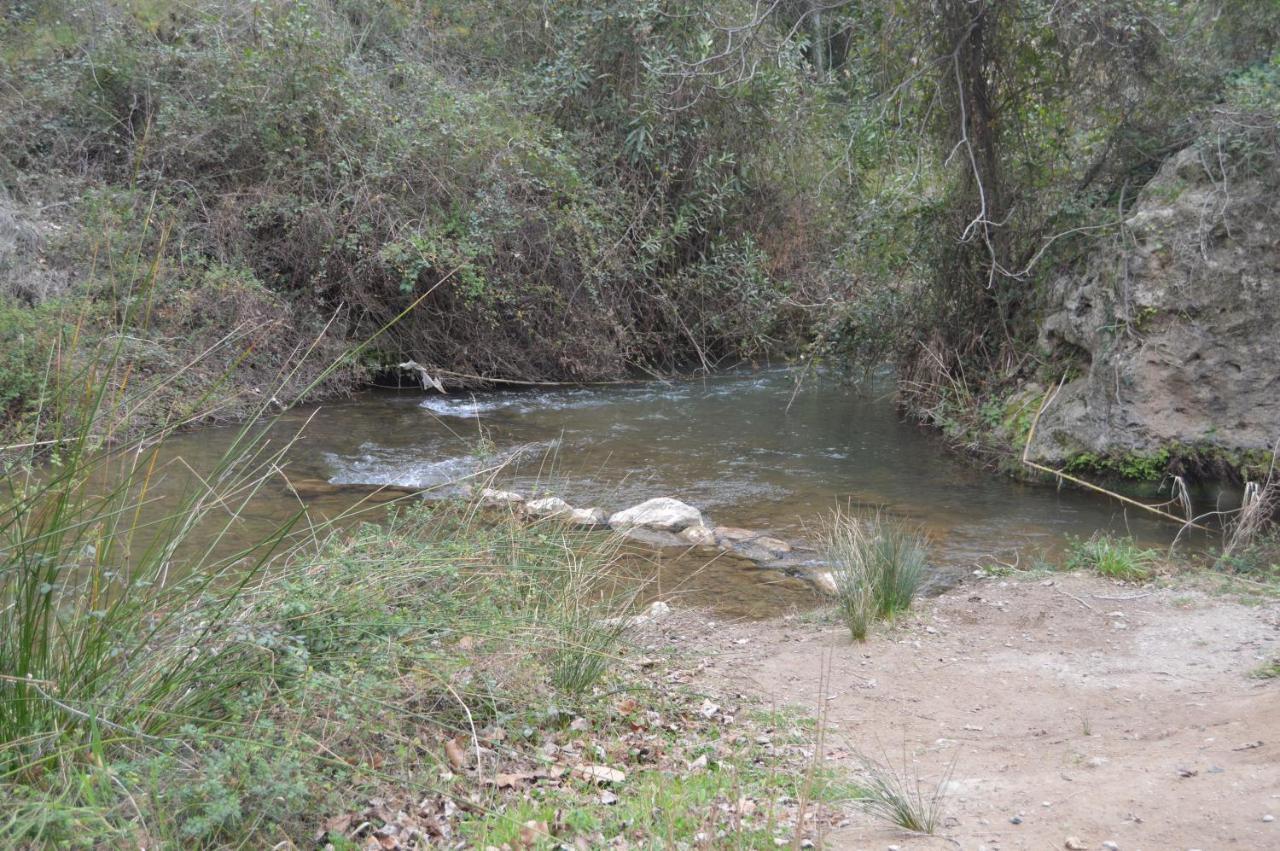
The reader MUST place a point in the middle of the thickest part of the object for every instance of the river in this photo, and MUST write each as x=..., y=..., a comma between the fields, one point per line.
x=750, y=449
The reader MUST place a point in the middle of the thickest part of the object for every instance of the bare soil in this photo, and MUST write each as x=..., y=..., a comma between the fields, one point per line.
x=1065, y=709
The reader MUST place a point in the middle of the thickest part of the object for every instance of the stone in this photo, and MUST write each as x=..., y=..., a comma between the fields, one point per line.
x=1174, y=324
x=699, y=536
x=1073, y=843
x=590, y=517
x=654, y=538
x=761, y=548
x=655, y=611
x=824, y=581
x=662, y=513
x=729, y=535
x=489, y=496
x=551, y=506
x=1110, y=846
x=1268, y=818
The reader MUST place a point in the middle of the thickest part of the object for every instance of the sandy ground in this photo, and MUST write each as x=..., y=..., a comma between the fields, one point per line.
x=1070, y=711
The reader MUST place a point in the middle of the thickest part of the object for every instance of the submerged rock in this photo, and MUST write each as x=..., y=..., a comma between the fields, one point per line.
x=663, y=514
x=655, y=538
x=752, y=545
x=728, y=535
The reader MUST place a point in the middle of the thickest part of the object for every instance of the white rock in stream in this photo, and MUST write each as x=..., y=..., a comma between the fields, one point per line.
x=699, y=536
x=551, y=506
x=663, y=514
x=824, y=581
x=591, y=517
x=489, y=496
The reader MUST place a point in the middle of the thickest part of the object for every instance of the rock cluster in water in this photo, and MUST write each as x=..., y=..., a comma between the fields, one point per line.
x=661, y=523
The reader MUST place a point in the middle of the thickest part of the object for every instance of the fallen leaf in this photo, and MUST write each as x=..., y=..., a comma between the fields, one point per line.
x=627, y=706
x=608, y=798
x=511, y=781
x=531, y=832
x=457, y=758
x=338, y=825
x=599, y=774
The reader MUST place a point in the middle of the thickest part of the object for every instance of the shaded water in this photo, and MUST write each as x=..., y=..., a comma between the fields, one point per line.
x=750, y=450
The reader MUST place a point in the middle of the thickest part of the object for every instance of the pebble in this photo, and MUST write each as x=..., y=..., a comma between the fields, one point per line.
x=1110, y=846
x=1015, y=820
x=1268, y=818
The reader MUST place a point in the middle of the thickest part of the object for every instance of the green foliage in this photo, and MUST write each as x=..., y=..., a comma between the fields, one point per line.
x=231, y=784
x=1135, y=466
x=1114, y=558
x=26, y=337
x=581, y=207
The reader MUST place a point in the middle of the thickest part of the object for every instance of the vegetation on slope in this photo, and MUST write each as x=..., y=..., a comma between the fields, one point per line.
x=551, y=201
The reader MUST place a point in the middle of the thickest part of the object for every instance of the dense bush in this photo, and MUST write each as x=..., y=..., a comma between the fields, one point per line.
x=581, y=205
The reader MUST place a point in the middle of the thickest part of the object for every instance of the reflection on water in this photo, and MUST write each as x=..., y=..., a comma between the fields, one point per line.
x=750, y=450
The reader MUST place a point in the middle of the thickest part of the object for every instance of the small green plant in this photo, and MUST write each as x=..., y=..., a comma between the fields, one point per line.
x=899, y=797
x=1268, y=670
x=878, y=567
x=1115, y=558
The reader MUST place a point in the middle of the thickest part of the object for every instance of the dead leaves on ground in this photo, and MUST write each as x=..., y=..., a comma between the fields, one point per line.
x=592, y=760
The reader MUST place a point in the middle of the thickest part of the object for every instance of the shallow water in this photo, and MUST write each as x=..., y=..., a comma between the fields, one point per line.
x=750, y=450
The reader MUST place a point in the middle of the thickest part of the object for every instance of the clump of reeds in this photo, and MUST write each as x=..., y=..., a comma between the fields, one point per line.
x=1259, y=506
x=878, y=566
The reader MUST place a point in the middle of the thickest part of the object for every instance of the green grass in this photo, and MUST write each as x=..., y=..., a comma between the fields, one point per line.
x=1115, y=558
x=878, y=567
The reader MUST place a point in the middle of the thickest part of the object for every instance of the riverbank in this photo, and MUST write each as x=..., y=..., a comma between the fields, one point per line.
x=439, y=679
x=1053, y=710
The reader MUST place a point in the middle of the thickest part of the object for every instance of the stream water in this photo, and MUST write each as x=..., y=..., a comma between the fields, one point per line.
x=750, y=450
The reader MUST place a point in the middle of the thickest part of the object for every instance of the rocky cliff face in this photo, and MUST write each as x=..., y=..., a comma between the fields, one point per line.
x=1176, y=326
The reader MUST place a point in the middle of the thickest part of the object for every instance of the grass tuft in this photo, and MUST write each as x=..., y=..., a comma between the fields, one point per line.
x=878, y=567
x=899, y=797
x=1115, y=558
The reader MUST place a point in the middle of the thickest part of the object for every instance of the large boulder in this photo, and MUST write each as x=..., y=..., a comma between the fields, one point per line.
x=1176, y=325
x=663, y=514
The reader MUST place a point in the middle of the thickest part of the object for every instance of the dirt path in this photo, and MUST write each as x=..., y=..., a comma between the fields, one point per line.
x=1070, y=707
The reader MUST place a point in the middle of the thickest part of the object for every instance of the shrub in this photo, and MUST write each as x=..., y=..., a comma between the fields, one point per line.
x=878, y=567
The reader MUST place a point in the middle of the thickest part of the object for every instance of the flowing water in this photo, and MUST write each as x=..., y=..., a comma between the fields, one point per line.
x=750, y=450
